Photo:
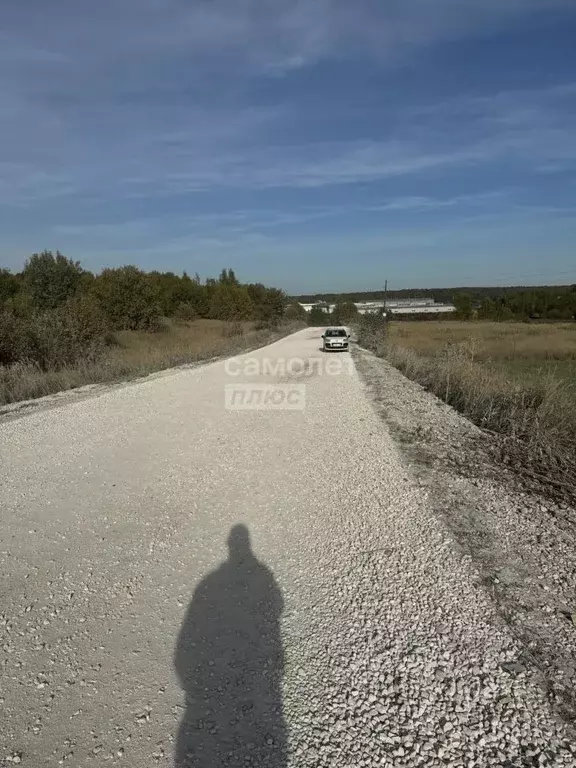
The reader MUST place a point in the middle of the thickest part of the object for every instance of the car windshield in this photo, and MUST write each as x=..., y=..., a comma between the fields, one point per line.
x=336, y=332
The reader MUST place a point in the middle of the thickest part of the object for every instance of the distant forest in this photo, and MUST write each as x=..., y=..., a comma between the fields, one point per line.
x=553, y=302
x=441, y=295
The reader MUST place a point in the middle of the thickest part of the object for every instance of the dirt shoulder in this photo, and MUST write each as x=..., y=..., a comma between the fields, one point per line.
x=521, y=534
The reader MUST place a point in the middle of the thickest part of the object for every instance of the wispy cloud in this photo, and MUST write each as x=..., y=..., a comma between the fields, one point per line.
x=262, y=226
x=146, y=98
x=172, y=122
x=189, y=149
x=271, y=33
x=471, y=232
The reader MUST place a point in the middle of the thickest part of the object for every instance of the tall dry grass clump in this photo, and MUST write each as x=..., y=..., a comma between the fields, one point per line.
x=129, y=354
x=518, y=381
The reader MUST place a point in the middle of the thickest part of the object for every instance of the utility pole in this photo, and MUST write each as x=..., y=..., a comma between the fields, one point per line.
x=385, y=298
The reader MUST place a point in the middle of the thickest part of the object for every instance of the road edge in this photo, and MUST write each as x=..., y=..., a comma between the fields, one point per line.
x=23, y=408
x=521, y=542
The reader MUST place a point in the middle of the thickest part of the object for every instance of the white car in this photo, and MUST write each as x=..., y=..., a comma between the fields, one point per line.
x=335, y=339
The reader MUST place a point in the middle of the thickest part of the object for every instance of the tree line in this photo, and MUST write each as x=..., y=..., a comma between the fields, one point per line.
x=526, y=304
x=54, y=312
x=343, y=313
x=520, y=303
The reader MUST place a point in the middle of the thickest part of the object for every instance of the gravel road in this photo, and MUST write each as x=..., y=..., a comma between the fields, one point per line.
x=186, y=584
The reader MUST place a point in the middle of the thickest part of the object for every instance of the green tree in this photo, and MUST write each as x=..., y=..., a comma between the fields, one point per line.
x=228, y=277
x=318, y=317
x=50, y=279
x=179, y=294
x=128, y=298
x=268, y=303
x=345, y=312
x=166, y=285
x=295, y=311
x=572, y=302
x=487, y=310
x=504, y=313
x=230, y=302
x=560, y=313
x=9, y=286
x=194, y=294
x=463, y=304
x=14, y=337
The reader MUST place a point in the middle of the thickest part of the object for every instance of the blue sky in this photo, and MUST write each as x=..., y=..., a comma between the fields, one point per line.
x=311, y=144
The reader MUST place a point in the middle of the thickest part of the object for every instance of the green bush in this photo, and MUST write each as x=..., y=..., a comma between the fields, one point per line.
x=9, y=286
x=61, y=325
x=230, y=302
x=373, y=332
x=317, y=317
x=54, y=338
x=268, y=303
x=14, y=337
x=345, y=313
x=50, y=280
x=295, y=311
x=185, y=313
x=128, y=298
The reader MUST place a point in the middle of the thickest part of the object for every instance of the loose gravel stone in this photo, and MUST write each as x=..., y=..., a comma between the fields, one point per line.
x=351, y=630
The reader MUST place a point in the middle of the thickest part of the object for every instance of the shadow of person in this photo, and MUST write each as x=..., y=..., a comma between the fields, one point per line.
x=229, y=660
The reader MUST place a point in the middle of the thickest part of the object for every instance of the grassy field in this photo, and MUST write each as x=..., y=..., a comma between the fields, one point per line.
x=517, y=379
x=517, y=350
x=136, y=353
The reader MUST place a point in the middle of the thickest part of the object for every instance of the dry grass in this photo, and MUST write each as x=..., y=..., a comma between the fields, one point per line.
x=180, y=343
x=136, y=353
x=494, y=342
x=516, y=379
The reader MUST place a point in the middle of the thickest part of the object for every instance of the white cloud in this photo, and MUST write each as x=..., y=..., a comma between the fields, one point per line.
x=123, y=102
x=263, y=34
x=216, y=148
x=249, y=226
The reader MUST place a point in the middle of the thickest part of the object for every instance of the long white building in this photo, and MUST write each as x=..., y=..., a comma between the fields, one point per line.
x=396, y=306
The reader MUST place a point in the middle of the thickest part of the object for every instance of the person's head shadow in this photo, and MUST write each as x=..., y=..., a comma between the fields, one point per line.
x=229, y=660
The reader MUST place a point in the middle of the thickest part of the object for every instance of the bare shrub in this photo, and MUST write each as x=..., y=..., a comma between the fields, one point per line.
x=54, y=338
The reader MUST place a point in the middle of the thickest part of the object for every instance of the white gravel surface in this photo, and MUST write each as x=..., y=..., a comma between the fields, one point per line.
x=354, y=632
